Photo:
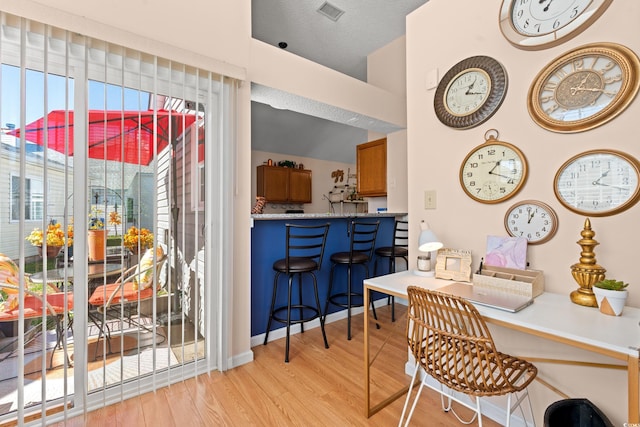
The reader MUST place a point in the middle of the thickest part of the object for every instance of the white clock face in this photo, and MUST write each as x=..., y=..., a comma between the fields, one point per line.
x=533, y=220
x=598, y=183
x=536, y=24
x=540, y=17
x=467, y=92
x=492, y=173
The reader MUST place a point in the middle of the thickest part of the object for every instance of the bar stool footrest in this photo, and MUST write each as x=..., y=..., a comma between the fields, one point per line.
x=335, y=299
x=315, y=314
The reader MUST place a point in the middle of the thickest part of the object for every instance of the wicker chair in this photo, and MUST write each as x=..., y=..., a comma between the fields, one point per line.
x=451, y=342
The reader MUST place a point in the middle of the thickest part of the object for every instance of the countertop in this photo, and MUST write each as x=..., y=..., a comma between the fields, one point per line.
x=326, y=215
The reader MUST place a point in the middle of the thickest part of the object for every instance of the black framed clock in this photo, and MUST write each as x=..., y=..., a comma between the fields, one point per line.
x=538, y=24
x=470, y=92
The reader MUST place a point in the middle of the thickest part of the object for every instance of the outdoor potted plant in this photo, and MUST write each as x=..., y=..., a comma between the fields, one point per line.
x=96, y=235
x=611, y=296
x=55, y=238
x=137, y=240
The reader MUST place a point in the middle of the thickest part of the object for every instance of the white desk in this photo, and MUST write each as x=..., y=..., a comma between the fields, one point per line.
x=551, y=316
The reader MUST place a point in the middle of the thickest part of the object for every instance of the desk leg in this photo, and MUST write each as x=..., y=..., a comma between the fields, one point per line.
x=632, y=380
x=367, y=396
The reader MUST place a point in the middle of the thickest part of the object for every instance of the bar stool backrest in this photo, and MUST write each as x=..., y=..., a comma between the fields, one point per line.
x=363, y=238
x=306, y=241
x=400, y=235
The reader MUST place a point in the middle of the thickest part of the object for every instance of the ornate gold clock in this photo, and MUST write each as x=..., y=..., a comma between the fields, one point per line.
x=598, y=182
x=494, y=171
x=531, y=219
x=584, y=88
x=538, y=24
x=470, y=92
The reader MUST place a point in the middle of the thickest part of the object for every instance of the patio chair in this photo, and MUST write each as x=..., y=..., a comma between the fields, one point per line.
x=131, y=288
x=33, y=304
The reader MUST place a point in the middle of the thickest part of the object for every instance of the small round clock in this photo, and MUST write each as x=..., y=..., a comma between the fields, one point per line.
x=470, y=92
x=538, y=24
x=494, y=171
x=534, y=220
x=598, y=182
x=584, y=88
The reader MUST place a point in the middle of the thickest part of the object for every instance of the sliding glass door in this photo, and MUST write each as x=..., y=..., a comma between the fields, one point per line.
x=109, y=246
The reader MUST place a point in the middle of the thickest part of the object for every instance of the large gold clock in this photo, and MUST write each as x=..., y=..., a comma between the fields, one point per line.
x=538, y=24
x=494, y=171
x=584, y=88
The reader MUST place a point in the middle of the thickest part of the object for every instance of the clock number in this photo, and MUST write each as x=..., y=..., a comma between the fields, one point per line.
x=578, y=64
x=612, y=79
x=608, y=67
x=574, y=13
x=473, y=165
x=550, y=86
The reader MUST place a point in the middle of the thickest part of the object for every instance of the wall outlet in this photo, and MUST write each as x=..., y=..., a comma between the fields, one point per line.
x=430, y=199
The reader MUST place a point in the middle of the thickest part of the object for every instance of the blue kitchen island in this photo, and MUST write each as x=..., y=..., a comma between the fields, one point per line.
x=268, y=245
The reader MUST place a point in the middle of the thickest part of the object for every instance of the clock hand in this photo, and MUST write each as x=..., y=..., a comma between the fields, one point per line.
x=471, y=86
x=547, y=6
x=500, y=175
x=475, y=93
x=597, y=181
x=608, y=185
x=494, y=167
x=575, y=90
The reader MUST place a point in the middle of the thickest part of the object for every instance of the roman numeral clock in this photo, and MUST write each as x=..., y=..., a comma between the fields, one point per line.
x=584, y=88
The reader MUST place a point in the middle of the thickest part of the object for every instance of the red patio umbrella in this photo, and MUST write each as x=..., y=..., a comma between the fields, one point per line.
x=112, y=128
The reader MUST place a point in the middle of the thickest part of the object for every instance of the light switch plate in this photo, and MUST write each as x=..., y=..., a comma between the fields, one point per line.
x=430, y=199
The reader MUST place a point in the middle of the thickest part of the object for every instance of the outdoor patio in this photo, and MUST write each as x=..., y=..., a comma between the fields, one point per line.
x=131, y=356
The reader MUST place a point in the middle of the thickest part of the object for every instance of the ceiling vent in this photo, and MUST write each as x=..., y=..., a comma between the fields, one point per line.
x=330, y=11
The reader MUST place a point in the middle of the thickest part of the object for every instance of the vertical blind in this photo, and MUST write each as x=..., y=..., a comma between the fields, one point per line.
x=104, y=143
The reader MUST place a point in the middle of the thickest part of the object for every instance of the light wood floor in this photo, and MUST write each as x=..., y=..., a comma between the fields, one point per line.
x=318, y=387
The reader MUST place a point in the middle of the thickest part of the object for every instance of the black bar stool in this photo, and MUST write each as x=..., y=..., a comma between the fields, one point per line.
x=303, y=254
x=398, y=249
x=362, y=243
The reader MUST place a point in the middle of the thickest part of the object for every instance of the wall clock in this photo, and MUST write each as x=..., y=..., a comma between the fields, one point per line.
x=470, y=92
x=598, y=182
x=532, y=219
x=494, y=171
x=538, y=24
x=584, y=88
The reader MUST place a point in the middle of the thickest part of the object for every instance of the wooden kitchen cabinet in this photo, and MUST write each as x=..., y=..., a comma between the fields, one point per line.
x=372, y=168
x=284, y=185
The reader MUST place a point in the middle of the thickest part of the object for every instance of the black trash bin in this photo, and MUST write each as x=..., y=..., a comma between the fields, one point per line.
x=575, y=413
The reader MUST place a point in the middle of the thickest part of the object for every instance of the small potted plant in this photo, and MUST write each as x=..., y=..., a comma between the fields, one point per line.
x=611, y=296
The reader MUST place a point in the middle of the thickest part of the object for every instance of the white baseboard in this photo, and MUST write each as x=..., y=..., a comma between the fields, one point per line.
x=295, y=329
x=240, y=359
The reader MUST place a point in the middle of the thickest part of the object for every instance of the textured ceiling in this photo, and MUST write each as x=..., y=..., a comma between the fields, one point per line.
x=307, y=128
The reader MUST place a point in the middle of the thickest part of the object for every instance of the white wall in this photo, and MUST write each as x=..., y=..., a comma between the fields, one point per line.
x=440, y=34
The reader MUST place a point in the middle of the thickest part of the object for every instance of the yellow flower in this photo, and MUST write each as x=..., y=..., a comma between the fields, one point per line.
x=55, y=236
x=133, y=236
